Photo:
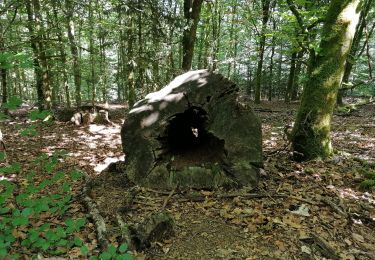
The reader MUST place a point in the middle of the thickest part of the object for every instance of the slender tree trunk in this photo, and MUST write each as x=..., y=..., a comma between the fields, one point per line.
x=311, y=133
x=249, y=79
x=262, y=43
x=295, y=88
x=40, y=39
x=292, y=70
x=279, y=71
x=131, y=95
x=232, y=40
x=3, y=73
x=353, y=53
x=369, y=59
x=270, y=81
x=140, y=64
x=192, y=9
x=74, y=51
x=62, y=56
x=216, y=33
x=92, y=54
x=36, y=64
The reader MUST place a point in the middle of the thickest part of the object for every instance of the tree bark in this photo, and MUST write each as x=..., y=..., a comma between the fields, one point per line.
x=62, y=56
x=311, y=133
x=74, y=51
x=36, y=64
x=292, y=71
x=295, y=88
x=262, y=43
x=192, y=9
x=353, y=54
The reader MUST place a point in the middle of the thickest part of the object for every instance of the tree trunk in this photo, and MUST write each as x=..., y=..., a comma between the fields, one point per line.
x=279, y=70
x=353, y=53
x=74, y=51
x=216, y=33
x=295, y=87
x=292, y=71
x=270, y=81
x=192, y=9
x=262, y=43
x=62, y=56
x=131, y=95
x=40, y=41
x=311, y=133
x=36, y=64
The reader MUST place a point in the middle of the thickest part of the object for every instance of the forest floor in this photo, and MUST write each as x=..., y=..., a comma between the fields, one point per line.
x=309, y=210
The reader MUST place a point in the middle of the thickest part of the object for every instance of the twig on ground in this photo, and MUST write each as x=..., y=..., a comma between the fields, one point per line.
x=325, y=249
x=158, y=191
x=168, y=198
x=335, y=207
x=303, y=200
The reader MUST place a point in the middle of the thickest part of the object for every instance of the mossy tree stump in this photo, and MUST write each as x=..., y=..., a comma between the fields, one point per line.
x=193, y=133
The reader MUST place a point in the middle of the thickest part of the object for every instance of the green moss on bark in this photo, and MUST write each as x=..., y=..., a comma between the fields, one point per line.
x=311, y=133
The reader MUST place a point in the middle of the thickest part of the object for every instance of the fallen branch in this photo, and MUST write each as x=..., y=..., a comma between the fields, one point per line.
x=94, y=213
x=168, y=198
x=335, y=207
x=324, y=248
x=125, y=233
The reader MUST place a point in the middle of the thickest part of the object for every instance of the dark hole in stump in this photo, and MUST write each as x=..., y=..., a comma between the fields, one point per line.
x=188, y=141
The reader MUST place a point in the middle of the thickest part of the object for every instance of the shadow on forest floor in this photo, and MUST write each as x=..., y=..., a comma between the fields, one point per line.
x=321, y=213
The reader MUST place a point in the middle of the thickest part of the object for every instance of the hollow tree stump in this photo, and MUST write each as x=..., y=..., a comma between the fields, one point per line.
x=193, y=133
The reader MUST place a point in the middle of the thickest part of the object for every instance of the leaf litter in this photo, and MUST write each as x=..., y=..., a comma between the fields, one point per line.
x=309, y=210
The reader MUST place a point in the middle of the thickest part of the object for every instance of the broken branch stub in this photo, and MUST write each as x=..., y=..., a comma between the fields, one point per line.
x=193, y=133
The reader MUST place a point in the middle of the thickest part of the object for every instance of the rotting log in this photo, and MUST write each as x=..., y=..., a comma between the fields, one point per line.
x=193, y=133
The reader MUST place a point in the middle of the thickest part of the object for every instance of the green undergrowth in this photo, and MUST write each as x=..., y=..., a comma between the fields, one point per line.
x=34, y=207
x=368, y=172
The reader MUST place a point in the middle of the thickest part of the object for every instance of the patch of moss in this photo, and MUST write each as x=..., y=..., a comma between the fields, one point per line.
x=370, y=175
x=367, y=184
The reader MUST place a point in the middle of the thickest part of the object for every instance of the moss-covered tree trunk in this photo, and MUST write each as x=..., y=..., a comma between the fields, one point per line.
x=311, y=133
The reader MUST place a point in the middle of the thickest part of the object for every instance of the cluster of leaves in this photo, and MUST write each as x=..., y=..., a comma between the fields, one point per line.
x=369, y=175
x=25, y=203
x=22, y=204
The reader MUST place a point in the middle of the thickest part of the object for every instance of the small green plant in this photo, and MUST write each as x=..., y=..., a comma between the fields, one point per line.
x=367, y=184
x=113, y=253
x=23, y=203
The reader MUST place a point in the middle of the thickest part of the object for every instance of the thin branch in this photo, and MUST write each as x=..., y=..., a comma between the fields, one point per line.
x=297, y=14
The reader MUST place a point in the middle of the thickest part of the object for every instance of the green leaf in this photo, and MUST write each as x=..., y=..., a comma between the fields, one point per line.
x=4, y=210
x=62, y=242
x=29, y=131
x=35, y=115
x=26, y=212
x=124, y=257
x=13, y=102
x=105, y=256
x=78, y=241
x=13, y=168
x=66, y=187
x=76, y=175
x=111, y=249
x=123, y=248
x=3, y=155
x=3, y=252
x=84, y=250
x=20, y=221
